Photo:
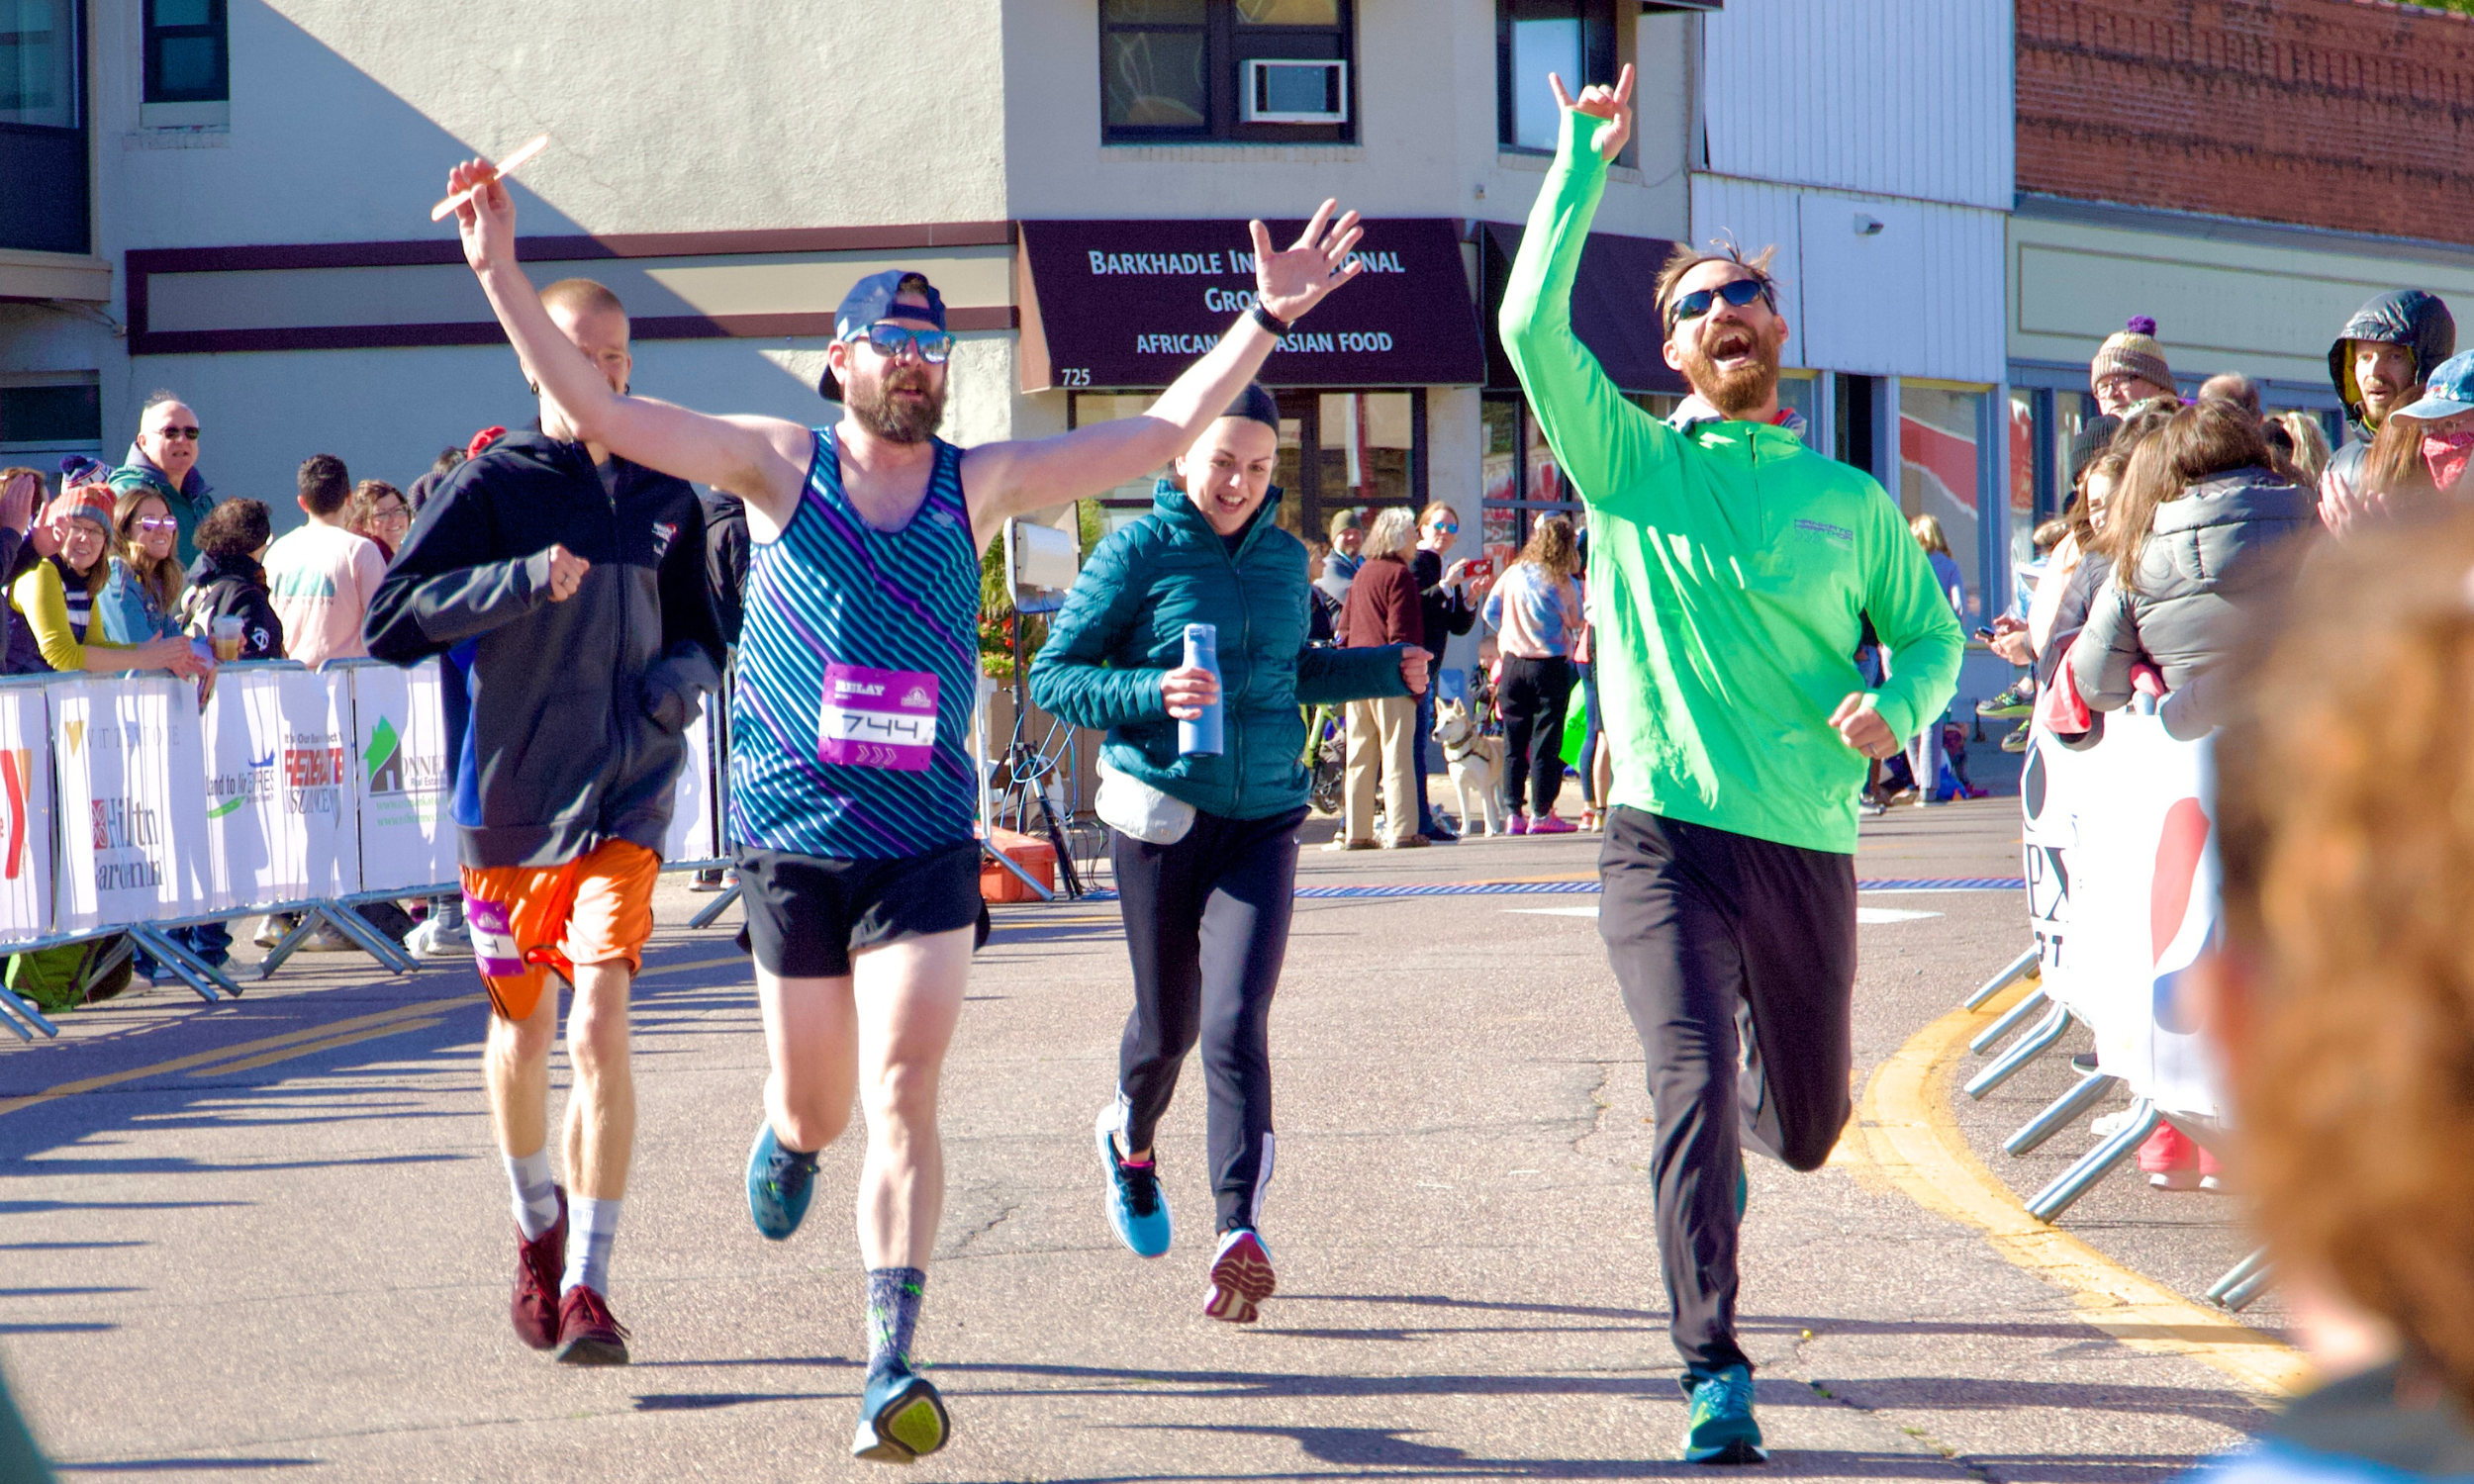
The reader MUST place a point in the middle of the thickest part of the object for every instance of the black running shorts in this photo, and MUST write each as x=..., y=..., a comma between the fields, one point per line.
x=806, y=913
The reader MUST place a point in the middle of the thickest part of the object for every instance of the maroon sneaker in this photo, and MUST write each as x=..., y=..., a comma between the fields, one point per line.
x=540, y=1263
x=587, y=1334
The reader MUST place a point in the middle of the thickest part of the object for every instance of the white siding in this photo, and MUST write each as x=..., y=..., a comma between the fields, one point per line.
x=1893, y=97
x=1921, y=298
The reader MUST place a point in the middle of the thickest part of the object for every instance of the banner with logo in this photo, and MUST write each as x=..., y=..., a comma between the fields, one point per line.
x=692, y=814
x=2050, y=793
x=26, y=795
x=399, y=756
x=281, y=817
x=2144, y=906
x=133, y=817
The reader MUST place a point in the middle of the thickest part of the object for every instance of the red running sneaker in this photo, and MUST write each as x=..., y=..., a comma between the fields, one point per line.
x=540, y=1263
x=587, y=1334
x=1241, y=1278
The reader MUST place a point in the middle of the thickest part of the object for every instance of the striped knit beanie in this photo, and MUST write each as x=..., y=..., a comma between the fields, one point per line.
x=2132, y=351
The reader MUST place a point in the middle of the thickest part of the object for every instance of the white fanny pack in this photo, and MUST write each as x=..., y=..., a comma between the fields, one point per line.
x=1138, y=811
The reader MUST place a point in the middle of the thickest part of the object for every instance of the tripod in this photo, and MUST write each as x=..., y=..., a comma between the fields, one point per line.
x=1028, y=771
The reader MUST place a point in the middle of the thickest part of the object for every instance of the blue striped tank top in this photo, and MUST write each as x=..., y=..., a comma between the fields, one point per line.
x=858, y=673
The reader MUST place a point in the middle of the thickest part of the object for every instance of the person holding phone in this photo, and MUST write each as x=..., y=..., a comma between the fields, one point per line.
x=1207, y=850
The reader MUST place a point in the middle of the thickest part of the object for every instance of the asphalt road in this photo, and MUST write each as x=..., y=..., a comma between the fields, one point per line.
x=270, y=1239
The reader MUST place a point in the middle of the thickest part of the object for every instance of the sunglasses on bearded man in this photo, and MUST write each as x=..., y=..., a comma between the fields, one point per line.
x=1737, y=292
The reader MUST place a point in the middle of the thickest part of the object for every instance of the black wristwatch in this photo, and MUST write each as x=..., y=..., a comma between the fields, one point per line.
x=1268, y=320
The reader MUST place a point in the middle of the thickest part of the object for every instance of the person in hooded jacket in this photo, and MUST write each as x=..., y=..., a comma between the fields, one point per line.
x=1206, y=911
x=2379, y=362
x=566, y=586
x=2205, y=533
x=228, y=583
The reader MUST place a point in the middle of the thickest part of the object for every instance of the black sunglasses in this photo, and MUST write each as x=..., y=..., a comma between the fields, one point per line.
x=935, y=345
x=178, y=430
x=1737, y=292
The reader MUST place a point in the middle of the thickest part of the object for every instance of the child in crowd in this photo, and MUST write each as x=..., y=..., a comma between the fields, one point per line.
x=230, y=583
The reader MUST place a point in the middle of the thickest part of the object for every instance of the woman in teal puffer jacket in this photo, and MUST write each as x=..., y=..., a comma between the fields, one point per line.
x=1210, y=552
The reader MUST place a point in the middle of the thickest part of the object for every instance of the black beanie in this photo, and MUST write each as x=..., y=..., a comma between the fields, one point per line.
x=1256, y=406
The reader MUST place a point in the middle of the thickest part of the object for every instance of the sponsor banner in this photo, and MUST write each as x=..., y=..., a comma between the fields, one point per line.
x=693, y=815
x=1133, y=304
x=281, y=818
x=133, y=819
x=2050, y=793
x=399, y=767
x=26, y=795
x=2144, y=906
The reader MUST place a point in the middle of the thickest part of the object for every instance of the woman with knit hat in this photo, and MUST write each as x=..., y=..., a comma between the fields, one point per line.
x=2129, y=368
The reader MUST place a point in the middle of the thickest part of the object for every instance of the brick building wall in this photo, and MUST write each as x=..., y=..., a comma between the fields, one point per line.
x=2351, y=114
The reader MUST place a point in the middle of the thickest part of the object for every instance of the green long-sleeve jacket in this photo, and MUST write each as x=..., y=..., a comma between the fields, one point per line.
x=1124, y=626
x=1730, y=569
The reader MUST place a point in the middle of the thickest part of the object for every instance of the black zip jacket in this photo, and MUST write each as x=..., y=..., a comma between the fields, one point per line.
x=565, y=731
x=233, y=587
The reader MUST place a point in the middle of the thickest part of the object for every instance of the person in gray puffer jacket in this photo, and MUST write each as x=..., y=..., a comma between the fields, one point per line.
x=2205, y=531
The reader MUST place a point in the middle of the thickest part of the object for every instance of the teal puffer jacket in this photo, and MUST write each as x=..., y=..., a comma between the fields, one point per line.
x=1123, y=627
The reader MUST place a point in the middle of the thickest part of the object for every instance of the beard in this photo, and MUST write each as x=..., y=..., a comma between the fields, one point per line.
x=903, y=421
x=1740, y=388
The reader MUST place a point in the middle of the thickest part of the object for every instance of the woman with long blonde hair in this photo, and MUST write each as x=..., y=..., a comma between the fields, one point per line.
x=142, y=598
x=1535, y=612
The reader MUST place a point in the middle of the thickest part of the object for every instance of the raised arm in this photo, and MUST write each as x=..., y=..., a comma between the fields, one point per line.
x=1011, y=479
x=1601, y=439
x=762, y=460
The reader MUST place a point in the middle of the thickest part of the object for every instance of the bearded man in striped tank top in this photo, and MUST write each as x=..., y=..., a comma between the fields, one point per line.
x=851, y=783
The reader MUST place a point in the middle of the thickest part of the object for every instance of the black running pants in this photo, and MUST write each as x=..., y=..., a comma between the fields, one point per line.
x=1206, y=923
x=1536, y=696
x=1707, y=930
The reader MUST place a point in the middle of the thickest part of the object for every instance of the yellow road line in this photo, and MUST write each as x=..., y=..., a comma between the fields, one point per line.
x=1907, y=1133
x=652, y=974
x=330, y=1044
x=219, y=1054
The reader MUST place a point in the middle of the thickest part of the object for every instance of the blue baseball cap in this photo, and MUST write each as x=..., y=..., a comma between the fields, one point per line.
x=872, y=298
x=2449, y=391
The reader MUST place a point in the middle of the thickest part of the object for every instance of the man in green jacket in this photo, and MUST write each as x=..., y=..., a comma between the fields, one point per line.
x=1731, y=571
x=163, y=461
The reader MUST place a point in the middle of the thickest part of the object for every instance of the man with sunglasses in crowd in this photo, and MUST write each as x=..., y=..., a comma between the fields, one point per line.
x=1731, y=571
x=165, y=461
x=852, y=795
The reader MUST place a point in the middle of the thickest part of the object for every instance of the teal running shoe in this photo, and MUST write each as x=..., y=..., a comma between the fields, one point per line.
x=1723, y=1430
x=2011, y=704
x=901, y=1418
x=1136, y=1210
x=779, y=1183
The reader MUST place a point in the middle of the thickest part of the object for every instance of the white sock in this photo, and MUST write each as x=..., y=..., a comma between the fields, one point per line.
x=537, y=1200
x=591, y=1227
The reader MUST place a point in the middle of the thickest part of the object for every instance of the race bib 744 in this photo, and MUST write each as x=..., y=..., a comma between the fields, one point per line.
x=878, y=719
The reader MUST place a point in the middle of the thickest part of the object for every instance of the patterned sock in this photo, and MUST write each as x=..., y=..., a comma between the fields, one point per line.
x=593, y=1226
x=892, y=1313
x=537, y=1200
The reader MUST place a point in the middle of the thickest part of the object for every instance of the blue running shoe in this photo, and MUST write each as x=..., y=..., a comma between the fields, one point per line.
x=1723, y=1430
x=779, y=1183
x=901, y=1418
x=1136, y=1209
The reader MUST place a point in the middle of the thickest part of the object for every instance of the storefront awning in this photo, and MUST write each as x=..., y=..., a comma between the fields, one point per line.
x=1133, y=304
x=1614, y=307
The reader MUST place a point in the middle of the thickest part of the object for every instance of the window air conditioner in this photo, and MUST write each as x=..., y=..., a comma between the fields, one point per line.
x=1279, y=90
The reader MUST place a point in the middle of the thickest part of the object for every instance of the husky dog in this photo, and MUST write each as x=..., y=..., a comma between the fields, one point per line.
x=1475, y=762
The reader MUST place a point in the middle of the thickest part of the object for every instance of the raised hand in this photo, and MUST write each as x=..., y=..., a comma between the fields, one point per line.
x=1598, y=101
x=17, y=501
x=1291, y=283
x=486, y=222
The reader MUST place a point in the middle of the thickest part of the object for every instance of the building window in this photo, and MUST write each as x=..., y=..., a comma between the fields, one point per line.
x=50, y=419
x=42, y=127
x=1572, y=38
x=1940, y=472
x=1259, y=71
x=188, y=54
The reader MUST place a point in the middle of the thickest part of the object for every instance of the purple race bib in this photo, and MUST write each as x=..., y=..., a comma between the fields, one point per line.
x=878, y=719
x=494, y=950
